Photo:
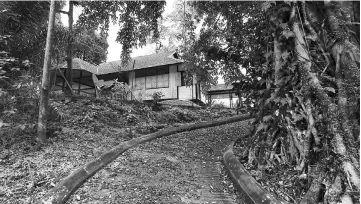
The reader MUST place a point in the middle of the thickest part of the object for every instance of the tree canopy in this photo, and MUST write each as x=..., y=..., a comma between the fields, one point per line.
x=137, y=21
x=88, y=45
x=25, y=22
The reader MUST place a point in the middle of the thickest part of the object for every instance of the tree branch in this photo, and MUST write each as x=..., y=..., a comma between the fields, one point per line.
x=314, y=35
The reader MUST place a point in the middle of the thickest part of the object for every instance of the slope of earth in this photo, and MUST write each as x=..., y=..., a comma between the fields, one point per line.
x=181, y=168
x=87, y=128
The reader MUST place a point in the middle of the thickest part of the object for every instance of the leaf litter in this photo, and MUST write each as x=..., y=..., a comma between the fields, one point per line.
x=166, y=170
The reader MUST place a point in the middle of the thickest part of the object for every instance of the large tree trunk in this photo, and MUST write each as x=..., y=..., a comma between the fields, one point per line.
x=69, y=52
x=44, y=98
x=323, y=94
x=337, y=130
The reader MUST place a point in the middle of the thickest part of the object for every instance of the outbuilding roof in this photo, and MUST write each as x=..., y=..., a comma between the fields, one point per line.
x=79, y=64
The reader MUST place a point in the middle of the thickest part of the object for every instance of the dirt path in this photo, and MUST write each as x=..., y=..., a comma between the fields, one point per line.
x=183, y=168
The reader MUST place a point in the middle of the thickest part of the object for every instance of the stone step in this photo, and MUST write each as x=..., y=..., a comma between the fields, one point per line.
x=214, y=192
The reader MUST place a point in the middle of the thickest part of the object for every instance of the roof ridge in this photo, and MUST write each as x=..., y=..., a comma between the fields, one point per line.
x=156, y=53
x=132, y=58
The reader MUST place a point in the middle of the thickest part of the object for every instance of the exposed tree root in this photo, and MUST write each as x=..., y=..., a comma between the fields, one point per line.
x=333, y=193
x=330, y=109
x=313, y=192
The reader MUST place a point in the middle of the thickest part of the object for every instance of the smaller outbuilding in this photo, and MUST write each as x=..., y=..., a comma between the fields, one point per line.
x=226, y=94
x=82, y=73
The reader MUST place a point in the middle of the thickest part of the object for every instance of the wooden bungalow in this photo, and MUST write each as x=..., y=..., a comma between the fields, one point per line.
x=144, y=75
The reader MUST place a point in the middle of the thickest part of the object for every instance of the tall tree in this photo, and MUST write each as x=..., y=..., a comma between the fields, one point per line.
x=176, y=26
x=302, y=62
x=44, y=98
x=69, y=51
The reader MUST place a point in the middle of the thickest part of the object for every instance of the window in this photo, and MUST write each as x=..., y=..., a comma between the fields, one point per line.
x=152, y=78
x=151, y=82
x=140, y=83
x=163, y=81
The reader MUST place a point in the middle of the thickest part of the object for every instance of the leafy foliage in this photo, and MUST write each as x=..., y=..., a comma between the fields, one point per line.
x=137, y=20
x=87, y=45
x=156, y=98
x=26, y=23
x=90, y=46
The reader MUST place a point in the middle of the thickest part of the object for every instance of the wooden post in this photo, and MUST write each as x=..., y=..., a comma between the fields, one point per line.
x=44, y=99
x=63, y=80
x=240, y=100
x=200, y=92
x=81, y=72
x=230, y=99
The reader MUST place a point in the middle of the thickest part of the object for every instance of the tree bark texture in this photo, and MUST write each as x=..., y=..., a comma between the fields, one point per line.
x=330, y=113
x=317, y=105
x=338, y=130
x=44, y=97
x=63, y=190
x=69, y=52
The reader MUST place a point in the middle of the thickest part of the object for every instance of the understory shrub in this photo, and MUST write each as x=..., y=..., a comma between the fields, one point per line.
x=167, y=117
x=219, y=106
x=156, y=98
x=183, y=114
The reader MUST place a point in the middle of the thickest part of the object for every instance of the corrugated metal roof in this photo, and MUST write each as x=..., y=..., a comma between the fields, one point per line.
x=107, y=68
x=153, y=60
x=79, y=64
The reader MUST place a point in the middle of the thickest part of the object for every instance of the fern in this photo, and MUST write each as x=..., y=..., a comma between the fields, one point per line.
x=54, y=109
